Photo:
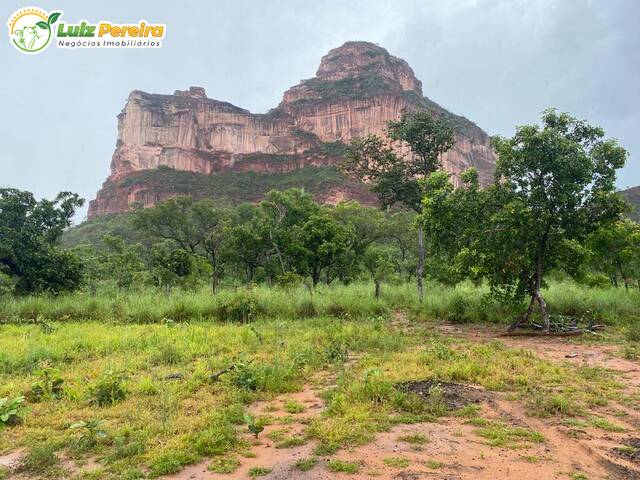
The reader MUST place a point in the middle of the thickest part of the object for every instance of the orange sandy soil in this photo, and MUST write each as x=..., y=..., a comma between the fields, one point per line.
x=567, y=452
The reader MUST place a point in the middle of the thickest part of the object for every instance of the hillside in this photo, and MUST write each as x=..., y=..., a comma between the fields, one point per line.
x=632, y=196
x=357, y=89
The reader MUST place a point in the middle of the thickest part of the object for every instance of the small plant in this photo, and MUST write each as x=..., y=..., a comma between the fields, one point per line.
x=11, y=411
x=633, y=332
x=396, y=462
x=604, y=424
x=343, y=466
x=259, y=471
x=433, y=464
x=578, y=476
x=47, y=387
x=255, y=427
x=293, y=407
x=107, y=390
x=306, y=464
x=501, y=435
x=306, y=309
x=90, y=433
x=291, y=442
x=224, y=465
x=41, y=461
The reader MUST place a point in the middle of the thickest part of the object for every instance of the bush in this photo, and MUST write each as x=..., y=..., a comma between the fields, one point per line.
x=243, y=306
x=107, y=390
x=306, y=309
x=11, y=411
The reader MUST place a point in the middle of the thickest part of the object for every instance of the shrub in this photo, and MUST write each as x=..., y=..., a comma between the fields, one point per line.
x=343, y=466
x=11, y=411
x=242, y=306
x=306, y=464
x=306, y=309
x=107, y=390
x=41, y=461
x=633, y=331
x=224, y=465
x=259, y=471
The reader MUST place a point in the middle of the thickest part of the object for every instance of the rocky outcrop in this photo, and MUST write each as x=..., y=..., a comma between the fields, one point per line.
x=358, y=88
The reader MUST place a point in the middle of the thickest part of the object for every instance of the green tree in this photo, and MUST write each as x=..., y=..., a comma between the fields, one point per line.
x=325, y=242
x=615, y=251
x=554, y=186
x=282, y=216
x=30, y=231
x=198, y=227
x=378, y=262
x=396, y=178
x=369, y=225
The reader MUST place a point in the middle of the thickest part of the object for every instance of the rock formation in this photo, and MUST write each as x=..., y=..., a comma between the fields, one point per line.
x=358, y=88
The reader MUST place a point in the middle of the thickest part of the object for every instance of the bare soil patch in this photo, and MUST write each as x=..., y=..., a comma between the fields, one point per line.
x=454, y=395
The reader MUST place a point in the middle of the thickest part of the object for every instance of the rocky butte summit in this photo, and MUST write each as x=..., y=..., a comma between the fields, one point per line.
x=189, y=144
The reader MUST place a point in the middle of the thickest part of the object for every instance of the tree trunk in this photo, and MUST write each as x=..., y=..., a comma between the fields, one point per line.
x=535, y=293
x=214, y=283
x=377, y=282
x=623, y=275
x=420, y=267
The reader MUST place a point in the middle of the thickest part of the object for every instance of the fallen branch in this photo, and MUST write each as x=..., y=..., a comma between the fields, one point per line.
x=216, y=376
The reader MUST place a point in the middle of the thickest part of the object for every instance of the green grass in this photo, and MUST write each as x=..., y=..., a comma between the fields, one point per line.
x=259, y=471
x=224, y=465
x=606, y=425
x=306, y=464
x=433, y=464
x=142, y=364
x=293, y=407
x=337, y=465
x=501, y=435
x=396, y=462
x=465, y=303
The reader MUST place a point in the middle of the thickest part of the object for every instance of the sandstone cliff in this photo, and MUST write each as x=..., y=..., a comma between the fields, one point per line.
x=357, y=89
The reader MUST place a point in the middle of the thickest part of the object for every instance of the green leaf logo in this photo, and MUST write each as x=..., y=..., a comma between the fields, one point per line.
x=42, y=25
x=53, y=17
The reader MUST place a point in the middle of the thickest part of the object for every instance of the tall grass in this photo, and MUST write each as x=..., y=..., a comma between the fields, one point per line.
x=460, y=304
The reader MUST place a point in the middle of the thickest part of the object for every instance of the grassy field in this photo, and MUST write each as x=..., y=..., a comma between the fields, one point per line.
x=132, y=385
x=461, y=304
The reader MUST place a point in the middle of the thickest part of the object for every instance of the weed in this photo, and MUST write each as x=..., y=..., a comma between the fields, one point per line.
x=224, y=465
x=433, y=464
x=253, y=426
x=500, y=435
x=109, y=389
x=578, y=476
x=396, y=462
x=343, y=466
x=306, y=464
x=604, y=424
x=292, y=406
x=291, y=442
x=11, y=411
x=90, y=433
x=41, y=461
x=259, y=471
x=48, y=386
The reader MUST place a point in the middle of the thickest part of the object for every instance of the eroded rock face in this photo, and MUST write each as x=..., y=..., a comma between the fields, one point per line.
x=358, y=88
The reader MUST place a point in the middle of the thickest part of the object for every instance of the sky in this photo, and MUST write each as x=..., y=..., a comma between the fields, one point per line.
x=497, y=62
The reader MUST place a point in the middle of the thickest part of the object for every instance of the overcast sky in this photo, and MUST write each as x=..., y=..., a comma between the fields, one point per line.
x=497, y=62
